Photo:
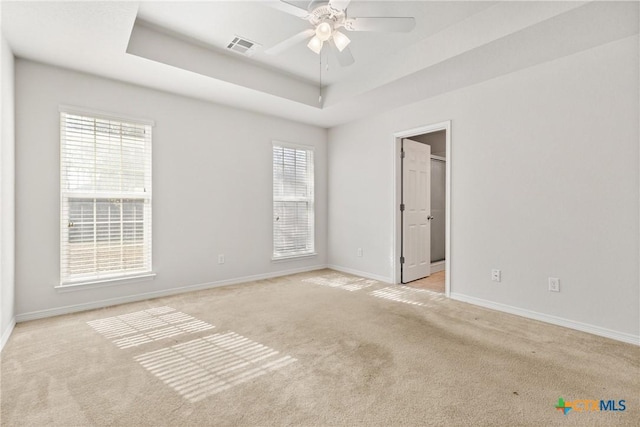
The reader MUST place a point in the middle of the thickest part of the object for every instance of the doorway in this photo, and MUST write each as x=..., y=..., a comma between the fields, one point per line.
x=422, y=209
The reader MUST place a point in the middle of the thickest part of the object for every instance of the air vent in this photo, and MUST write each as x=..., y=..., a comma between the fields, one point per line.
x=243, y=46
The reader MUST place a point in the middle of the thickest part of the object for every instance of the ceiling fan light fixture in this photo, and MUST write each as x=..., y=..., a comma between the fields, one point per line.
x=323, y=31
x=340, y=40
x=315, y=44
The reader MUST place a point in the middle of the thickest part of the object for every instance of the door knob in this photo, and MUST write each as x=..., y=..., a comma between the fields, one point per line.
x=429, y=217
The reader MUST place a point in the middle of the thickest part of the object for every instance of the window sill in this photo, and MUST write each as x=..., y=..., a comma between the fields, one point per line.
x=292, y=257
x=99, y=283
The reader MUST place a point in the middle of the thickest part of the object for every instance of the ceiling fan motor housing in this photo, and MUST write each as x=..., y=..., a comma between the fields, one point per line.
x=320, y=11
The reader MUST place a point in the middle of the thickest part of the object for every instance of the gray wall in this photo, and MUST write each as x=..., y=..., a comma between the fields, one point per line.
x=7, y=193
x=212, y=191
x=544, y=183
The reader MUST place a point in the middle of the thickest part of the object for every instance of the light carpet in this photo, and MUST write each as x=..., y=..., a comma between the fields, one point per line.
x=312, y=349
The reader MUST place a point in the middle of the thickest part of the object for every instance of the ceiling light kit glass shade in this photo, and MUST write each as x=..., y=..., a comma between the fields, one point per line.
x=323, y=31
x=340, y=40
x=315, y=44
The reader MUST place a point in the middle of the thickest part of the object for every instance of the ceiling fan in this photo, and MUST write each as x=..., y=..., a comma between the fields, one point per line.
x=327, y=18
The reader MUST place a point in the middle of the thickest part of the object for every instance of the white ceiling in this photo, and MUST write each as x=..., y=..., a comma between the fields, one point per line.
x=216, y=23
x=179, y=47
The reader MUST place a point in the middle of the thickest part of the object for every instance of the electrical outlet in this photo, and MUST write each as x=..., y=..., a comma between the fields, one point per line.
x=359, y=251
x=221, y=259
x=554, y=284
x=496, y=275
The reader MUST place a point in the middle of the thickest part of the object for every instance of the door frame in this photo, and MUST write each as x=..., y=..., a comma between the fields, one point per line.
x=397, y=180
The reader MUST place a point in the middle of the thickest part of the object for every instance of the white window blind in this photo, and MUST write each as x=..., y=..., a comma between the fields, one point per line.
x=293, y=201
x=105, y=189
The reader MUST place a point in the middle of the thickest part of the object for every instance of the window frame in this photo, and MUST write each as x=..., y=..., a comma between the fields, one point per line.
x=78, y=281
x=309, y=198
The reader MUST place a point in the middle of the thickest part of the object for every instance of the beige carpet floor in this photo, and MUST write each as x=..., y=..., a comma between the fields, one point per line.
x=313, y=349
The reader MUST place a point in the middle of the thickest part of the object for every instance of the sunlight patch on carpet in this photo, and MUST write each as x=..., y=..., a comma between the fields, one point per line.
x=341, y=281
x=205, y=366
x=419, y=297
x=141, y=327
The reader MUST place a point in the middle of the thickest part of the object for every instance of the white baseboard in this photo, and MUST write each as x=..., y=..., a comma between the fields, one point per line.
x=40, y=314
x=7, y=333
x=438, y=266
x=360, y=273
x=559, y=321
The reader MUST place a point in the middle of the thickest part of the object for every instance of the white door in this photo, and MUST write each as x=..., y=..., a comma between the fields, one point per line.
x=416, y=198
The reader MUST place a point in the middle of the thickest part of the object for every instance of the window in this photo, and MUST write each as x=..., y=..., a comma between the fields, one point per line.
x=105, y=191
x=293, y=211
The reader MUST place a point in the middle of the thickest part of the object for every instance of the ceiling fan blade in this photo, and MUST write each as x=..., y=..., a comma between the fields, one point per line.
x=345, y=58
x=399, y=25
x=290, y=42
x=289, y=8
x=339, y=4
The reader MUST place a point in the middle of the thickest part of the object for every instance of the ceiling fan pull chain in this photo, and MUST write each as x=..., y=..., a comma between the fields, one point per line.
x=327, y=63
x=320, y=80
